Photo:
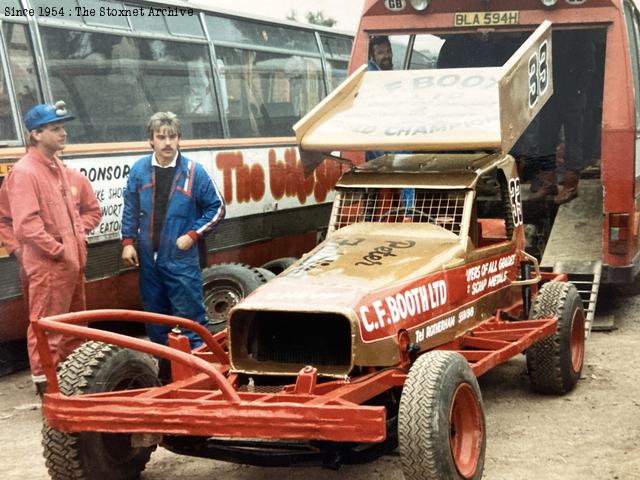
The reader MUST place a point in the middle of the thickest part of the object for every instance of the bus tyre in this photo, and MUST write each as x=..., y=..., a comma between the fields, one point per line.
x=555, y=363
x=441, y=423
x=267, y=274
x=279, y=265
x=225, y=285
x=96, y=367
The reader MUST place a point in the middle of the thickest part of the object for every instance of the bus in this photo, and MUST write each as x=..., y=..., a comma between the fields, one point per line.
x=237, y=83
x=594, y=237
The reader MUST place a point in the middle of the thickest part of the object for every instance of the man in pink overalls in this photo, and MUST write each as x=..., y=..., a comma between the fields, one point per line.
x=47, y=232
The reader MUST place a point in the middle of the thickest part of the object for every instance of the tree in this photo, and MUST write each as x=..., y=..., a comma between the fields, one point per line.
x=318, y=18
x=315, y=18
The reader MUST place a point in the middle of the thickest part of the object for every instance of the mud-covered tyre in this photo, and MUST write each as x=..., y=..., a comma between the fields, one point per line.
x=441, y=423
x=555, y=363
x=279, y=265
x=225, y=284
x=96, y=367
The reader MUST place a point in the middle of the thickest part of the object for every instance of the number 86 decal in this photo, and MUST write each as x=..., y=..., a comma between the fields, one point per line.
x=538, y=74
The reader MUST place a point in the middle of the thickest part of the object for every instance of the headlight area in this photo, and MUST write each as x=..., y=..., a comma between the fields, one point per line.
x=282, y=343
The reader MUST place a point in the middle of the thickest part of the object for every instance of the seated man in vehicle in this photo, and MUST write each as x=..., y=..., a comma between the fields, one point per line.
x=380, y=53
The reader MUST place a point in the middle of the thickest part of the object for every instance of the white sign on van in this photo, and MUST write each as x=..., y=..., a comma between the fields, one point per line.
x=395, y=5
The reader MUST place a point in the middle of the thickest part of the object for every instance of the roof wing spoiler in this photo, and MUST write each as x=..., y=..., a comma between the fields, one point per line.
x=457, y=110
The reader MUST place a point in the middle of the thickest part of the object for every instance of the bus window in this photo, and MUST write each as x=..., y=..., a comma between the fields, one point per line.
x=7, y=125
x=336, y=72
x=150, y=24
x=186, y=25
x=268, y=92
x=149, y=75
x=177, y=77
x=336, y=47
x=104, y=20
x=337, y=51
x=9, y=4
x=244, y=33
x=22, y=65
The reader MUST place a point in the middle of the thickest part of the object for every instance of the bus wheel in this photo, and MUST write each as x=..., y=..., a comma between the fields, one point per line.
x=555, y=363
x=96, y=367
x=267, y=274
x=441, y=424
x=225, y=285
x=279, y=265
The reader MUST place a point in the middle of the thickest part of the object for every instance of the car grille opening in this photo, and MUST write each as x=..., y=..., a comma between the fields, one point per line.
x=291, y=340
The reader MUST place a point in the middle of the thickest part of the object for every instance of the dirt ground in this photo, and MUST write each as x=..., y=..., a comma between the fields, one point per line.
x=591, y=434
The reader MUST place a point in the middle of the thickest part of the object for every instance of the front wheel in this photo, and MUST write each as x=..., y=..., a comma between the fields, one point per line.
x=96, y=367
x=441, y=423
x=555, y=363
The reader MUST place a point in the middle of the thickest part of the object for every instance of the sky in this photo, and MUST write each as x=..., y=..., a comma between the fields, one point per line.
x=346, y=12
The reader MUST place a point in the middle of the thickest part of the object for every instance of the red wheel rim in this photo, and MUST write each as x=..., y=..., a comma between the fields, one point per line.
x=466, y=430
x=577, y=340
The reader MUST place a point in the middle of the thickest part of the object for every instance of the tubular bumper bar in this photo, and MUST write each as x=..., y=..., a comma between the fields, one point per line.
x=295, y=421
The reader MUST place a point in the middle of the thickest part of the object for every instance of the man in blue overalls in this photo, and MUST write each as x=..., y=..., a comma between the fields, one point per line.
x=169, y=203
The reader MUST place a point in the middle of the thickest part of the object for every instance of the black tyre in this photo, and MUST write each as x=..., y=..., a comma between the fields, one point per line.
x=279, y=265
x=267, y=274
x=97, y=367
x=225, y=285
x=555, y=363
x=441, y=423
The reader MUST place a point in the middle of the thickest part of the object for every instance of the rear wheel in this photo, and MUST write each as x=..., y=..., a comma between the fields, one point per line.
x=96, y=367
x=555, y=363
x=279, y=265
x=225, y=285
x=441, y=424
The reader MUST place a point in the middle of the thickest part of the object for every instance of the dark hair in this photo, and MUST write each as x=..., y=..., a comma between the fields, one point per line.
x=377, y=40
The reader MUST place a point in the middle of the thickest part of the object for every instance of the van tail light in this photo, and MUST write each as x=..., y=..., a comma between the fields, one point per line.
x=619, y=233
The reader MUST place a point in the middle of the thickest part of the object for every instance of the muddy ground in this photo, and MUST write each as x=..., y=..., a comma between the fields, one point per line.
x=591, y=434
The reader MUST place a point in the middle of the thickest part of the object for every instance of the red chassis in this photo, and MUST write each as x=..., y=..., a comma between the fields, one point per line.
x=204, y=398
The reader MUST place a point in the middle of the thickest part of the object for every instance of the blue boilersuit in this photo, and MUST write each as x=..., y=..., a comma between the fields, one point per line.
x=171, y=283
